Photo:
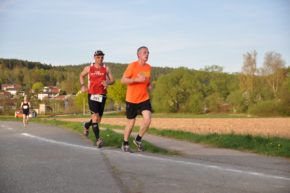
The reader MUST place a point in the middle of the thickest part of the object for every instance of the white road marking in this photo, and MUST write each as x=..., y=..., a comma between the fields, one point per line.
x=161, y=159
x=57, y=142
x=5, y=127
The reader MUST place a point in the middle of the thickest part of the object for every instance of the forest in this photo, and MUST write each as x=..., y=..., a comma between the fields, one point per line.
x=263, y=91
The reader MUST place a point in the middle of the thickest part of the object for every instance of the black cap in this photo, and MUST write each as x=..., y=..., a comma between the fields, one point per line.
x=99, y=53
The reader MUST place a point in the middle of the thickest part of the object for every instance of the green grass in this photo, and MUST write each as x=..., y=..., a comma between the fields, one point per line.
x=272, y=146
x=111, y=138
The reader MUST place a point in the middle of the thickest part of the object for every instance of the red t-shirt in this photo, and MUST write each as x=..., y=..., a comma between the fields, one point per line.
x=95, y=78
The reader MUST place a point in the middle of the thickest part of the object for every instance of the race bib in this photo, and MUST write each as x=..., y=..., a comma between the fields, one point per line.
x=97, y=97
x=25, y=107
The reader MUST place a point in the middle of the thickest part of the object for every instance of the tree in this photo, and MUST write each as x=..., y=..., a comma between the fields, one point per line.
x=273, y=71
x=117, y=92
x=214, y=68
x=248, y=77
x=173, y=90
x=237, y=101
x=37, y=87
x=81, y=101
x=249, y=70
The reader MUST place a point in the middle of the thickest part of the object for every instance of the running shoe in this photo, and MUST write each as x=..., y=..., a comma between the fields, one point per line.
x=126, y=148
x=99, y=143
x=139, y=145
x=86, y=131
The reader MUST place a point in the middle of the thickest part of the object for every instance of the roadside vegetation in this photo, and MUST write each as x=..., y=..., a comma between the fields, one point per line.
x=111, y=138
x=271, y=146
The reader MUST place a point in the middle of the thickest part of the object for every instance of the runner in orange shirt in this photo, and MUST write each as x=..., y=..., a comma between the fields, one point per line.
x=137, y=79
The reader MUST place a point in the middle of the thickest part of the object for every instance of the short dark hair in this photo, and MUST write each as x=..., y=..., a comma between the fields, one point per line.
x=141, y=48
x=99, y=53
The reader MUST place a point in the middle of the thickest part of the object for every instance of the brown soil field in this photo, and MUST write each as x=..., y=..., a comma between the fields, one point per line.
x=254, y=126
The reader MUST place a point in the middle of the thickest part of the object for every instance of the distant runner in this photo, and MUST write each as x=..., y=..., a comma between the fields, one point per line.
x=99, y=77
x=25, y=105
x=137, y=79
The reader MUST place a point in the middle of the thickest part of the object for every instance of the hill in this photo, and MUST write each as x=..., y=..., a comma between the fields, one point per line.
x=26, y=73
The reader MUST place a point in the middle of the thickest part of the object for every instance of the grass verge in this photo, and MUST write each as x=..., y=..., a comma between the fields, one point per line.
x=272, y=146
x=111, y=138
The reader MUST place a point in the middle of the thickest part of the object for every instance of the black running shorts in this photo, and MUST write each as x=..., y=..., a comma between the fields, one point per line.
x=25, y=111
x=133, y=109
x=95, y=106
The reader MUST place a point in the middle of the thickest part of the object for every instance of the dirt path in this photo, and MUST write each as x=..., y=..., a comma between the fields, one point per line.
x=254, y=126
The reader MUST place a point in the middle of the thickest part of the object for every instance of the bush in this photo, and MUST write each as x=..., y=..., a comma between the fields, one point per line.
x=269, y=108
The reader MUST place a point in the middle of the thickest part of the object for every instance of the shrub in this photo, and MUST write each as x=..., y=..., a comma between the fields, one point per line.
x=268, y=108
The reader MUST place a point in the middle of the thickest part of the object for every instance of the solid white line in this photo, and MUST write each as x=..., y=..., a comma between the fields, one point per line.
x=58, y=142
x=215, y=167
x=161, y=159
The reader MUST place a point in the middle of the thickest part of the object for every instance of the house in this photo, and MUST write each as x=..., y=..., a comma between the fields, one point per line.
x=5, y=95
x=11, y=88
x=49, y=92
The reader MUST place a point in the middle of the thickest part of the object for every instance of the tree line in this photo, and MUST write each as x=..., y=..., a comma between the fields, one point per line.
x=261, y=91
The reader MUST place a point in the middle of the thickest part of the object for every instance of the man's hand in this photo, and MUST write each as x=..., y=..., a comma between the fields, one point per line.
x=105, y=84
x=84, y=88
x=140, y=78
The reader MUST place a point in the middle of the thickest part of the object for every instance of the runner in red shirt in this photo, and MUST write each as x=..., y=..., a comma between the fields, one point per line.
x=99, y=77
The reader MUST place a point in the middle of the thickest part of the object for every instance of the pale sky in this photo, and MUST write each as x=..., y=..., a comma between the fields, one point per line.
x=190, y=33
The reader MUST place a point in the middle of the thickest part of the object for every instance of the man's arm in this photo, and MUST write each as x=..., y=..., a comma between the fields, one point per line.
x=82, y=81
x=111, y=79
x=139, y=78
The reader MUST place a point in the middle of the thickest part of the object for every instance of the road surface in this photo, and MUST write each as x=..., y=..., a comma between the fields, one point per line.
x=44, y=159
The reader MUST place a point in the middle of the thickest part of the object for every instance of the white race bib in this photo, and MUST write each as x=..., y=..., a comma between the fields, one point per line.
x=97, y=97
x=25, y=107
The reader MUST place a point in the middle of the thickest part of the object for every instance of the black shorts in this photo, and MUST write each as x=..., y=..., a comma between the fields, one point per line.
x=97, y=107
x=25, y=112
x=133, y=109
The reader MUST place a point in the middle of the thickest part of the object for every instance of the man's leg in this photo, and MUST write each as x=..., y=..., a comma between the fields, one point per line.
x=95, y=125
x=128, y=129
x=146, y=122
x=24, y=117
x=127, y=132
x=86, y=127
x=143, y=128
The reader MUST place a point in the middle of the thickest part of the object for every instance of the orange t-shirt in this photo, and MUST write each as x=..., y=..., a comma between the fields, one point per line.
x=137, y=92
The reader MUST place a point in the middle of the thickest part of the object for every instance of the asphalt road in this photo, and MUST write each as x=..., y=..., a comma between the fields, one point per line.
x=43, y=159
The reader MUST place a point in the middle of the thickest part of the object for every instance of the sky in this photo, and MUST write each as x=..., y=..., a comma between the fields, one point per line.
x=189, y=33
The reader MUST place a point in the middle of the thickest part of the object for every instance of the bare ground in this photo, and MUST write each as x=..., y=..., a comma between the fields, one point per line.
x=255, y=126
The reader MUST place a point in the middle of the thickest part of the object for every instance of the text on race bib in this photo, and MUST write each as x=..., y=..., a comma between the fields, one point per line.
x=97, y=97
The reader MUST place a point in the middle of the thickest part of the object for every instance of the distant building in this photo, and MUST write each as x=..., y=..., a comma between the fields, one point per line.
x=11, y=88
x=49, y=92
x=5, y=95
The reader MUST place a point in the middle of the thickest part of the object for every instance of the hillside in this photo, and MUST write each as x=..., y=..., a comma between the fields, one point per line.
x=26, y=73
